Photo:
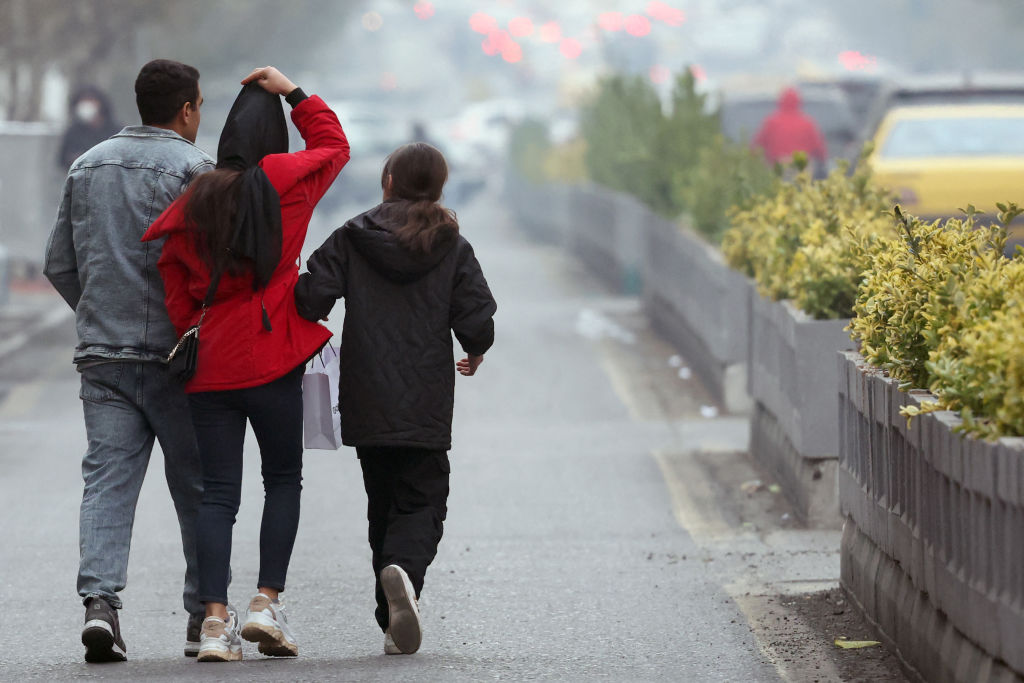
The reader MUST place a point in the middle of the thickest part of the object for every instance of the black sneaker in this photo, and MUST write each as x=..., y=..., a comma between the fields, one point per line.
x=193, y=632
x=101, y=634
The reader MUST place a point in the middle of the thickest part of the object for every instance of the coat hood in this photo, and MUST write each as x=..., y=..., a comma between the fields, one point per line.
x=372, y=235
x=789, y=100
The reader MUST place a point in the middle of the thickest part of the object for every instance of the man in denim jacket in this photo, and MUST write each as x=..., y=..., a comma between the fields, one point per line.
x=109, y=277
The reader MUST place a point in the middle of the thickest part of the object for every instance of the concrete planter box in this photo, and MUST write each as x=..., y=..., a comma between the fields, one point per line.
x=792, y=379
x=701, y=305
x=932, y=546
x=607, y=231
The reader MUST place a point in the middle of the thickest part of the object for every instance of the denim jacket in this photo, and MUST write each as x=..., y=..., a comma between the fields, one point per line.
x=94, y=256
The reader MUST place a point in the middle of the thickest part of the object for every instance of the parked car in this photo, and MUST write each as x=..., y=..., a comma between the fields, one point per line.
x=861, y=92
x=939, y=89
x=940, y=157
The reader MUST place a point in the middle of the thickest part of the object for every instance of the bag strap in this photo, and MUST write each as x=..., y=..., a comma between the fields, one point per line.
x=208, y=301
x=214, y=283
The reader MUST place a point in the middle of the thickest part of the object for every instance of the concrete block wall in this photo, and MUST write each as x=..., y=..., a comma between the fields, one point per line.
x=792, y=380
x=30, y=183
x=701, y=305
x=934, y=522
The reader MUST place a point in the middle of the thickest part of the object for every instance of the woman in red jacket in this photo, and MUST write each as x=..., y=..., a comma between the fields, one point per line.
x=231, y=260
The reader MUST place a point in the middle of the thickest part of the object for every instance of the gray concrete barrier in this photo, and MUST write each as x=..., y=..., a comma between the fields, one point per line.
x=792, y=380
x=932, y=547
x=30, y=184
x=701, y=305
x=697, y=302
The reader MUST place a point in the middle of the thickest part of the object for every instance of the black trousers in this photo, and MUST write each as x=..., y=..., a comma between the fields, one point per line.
x=275, y=412
x=407, y=503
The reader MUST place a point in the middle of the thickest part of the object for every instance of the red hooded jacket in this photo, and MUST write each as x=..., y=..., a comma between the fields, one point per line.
x=235, y=350
x=789, y=130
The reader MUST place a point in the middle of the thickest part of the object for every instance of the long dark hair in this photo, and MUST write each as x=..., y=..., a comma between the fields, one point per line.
x=234, y=211
x=211, y=205
x=418, y=173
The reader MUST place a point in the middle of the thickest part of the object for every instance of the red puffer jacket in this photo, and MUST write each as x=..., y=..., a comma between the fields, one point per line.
x=235, y=350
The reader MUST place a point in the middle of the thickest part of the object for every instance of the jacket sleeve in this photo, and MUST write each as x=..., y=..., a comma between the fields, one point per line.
x=182, y=308
x=327, y=151
x=61, y=265
x=473, y=305
x=324, y=283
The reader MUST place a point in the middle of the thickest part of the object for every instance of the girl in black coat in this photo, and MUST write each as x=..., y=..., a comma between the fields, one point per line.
x=409, y=280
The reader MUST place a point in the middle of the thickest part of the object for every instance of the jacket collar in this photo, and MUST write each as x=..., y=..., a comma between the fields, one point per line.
x=150, y=132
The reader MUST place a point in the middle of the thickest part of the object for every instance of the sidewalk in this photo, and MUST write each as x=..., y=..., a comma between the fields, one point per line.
x=33, y=310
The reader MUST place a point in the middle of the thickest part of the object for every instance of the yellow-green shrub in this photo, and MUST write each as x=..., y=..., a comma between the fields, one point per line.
x=940, y=308
x=809, y=240
x=914, y=291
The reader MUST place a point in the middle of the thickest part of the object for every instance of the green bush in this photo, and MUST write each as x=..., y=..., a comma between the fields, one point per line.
x=621, y=127
x=810, y=240
x=725, y=175
x=940, y=308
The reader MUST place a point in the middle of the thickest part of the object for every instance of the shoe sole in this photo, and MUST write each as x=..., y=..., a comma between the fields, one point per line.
x=271, y=640
x=191, y=649
x=219, y=656
x=403, y=619
x=100, y=647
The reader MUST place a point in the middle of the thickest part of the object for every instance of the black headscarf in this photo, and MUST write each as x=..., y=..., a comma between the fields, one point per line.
x=255, y=128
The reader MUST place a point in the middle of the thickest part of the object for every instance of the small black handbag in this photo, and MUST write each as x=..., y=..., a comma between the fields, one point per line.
x=184, y=357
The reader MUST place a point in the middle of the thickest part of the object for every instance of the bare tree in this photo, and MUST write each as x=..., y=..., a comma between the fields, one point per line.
x=103, y=42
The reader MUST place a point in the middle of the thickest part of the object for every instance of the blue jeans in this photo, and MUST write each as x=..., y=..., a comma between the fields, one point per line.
x=275, y=412
x=127, y=406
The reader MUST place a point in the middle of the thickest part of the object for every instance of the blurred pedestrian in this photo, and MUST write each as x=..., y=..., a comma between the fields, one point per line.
x=92, y=121
x=789, y=130
x=96, y=262
x=409, y=280
x=230, y=261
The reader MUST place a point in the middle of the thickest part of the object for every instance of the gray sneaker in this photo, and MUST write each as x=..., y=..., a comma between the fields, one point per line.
x=403, y=611
x=193, y=634
x=219, y=641
x=101, y=633
x=267, y=624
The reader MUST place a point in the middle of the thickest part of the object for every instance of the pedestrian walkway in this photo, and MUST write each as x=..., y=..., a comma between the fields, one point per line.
x=575, y=479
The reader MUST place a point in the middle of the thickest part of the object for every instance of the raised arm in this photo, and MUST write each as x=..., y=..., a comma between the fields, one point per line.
x=327, y=148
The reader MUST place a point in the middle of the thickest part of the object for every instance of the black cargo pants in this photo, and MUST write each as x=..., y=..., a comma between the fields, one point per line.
x=407, y=502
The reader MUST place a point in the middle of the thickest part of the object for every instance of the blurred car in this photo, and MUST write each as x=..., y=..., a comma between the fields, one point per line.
x=372, y=136
x=940, y=89
x=742, y=115
x=861, y=92
x=939, y=158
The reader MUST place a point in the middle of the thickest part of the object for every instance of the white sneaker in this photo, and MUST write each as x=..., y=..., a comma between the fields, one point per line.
x=266, y=624
x=403, y=612
x=219, y=641
x=389, y=644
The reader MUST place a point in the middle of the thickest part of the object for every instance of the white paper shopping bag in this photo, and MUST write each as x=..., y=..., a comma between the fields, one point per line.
x=321, y=421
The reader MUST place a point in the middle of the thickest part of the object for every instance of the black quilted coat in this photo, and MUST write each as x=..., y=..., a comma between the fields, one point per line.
x=397, y=362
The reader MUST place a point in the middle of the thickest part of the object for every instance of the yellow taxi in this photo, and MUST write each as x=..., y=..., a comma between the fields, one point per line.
x=938, y=158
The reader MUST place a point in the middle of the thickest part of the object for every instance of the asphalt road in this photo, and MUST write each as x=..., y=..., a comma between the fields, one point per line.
x=578, y=466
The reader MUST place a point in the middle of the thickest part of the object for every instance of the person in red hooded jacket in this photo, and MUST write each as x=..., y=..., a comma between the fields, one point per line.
x=788, y=130
x=231, y=260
